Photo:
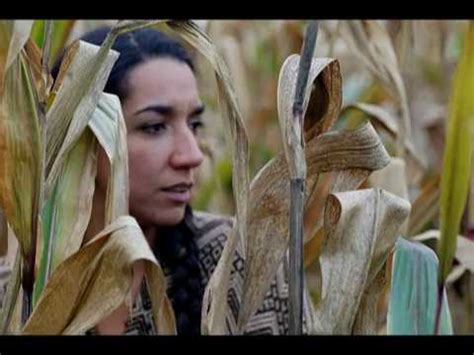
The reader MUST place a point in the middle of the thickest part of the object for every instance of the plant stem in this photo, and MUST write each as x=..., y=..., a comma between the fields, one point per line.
x=297, y=185
x=439, y=304
x=296, y=256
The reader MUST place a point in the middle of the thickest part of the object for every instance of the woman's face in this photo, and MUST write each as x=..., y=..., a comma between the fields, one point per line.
x=162, y=112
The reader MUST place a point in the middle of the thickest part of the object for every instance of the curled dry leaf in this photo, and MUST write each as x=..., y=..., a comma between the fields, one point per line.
x=96, y=280
x=320, y=112
x=383, y=120
x=69, y=153
x=362, y=228
x=21, y=140
x=331, y=151
x=82, y=77
x=352, y=155
x=67, y=212
x=269, y=203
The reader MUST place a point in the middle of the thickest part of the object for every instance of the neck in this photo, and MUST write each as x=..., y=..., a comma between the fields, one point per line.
x=151, y=234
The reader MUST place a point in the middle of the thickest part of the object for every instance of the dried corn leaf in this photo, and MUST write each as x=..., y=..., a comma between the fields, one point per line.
x=82, y=78
x=457, y=155
x=71, y=179
x=320, y=113
x=356, y=170
x=322, y=100
x=124, y=26
x=413, y=292
x=108, y=125
x=425, y=206
x=383, y=120
x=370, y=41
x=269, y=190
x=392, y=178
x=214, y=309
x=13, y=36
x=232, y=54
x=269, y=202
x=96, y=280
x=215, y=297
x=62, y=32
x=21, y=160
x=67, y=212
x=337, y=150
x=42, y=81
x=362, y=228
x=369, y=312
x=343, y=180
x=352, y=154
x=356, y=152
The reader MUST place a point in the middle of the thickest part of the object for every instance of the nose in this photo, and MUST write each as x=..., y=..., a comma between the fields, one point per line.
x=186, y=153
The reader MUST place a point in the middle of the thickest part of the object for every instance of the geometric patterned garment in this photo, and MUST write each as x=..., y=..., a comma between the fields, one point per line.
x=211, y=234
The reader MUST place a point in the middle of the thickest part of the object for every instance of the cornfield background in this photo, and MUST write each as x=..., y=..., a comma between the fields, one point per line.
x=426, y=56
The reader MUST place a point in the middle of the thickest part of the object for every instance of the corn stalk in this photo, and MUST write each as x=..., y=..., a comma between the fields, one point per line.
x=297, y=165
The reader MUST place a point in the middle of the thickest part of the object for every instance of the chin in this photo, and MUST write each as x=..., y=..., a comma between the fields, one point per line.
x=169, y=216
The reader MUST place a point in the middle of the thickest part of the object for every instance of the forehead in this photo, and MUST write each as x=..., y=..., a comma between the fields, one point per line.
x=162, y=80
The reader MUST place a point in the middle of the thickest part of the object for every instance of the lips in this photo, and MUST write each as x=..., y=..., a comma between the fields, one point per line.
x=179, y=193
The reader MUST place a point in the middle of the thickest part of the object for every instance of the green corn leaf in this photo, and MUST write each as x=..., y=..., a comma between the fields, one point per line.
x=67, y=212
x=457, y=156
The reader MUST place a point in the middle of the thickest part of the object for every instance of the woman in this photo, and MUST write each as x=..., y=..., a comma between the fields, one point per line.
x=154, y=78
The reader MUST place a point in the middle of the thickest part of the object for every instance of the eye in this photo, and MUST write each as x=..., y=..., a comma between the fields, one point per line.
x=196, y=125
x=153, y=128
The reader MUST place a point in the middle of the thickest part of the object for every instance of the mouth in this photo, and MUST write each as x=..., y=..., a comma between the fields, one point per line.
x=179, y=193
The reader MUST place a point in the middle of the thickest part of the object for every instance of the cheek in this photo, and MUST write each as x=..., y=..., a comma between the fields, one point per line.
x=147, y=161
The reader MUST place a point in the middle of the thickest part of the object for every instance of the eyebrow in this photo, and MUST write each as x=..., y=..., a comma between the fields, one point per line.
x=167, y=110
